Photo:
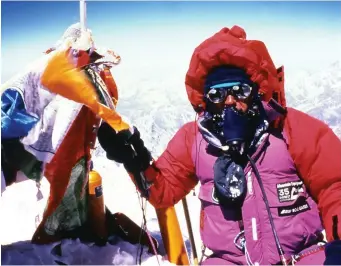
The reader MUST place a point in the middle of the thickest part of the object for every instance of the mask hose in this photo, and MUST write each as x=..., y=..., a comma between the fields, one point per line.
x=278, y=244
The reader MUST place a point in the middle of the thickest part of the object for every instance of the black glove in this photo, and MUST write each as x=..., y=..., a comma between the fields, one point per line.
x=124, y=147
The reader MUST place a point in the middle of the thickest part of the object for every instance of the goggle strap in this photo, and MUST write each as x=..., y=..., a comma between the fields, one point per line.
x=223, y=85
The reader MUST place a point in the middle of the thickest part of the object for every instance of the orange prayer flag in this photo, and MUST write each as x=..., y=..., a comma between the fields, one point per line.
x=62, y=77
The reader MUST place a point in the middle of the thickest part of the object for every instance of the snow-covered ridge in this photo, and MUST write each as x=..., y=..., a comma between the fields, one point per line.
x=318, y=94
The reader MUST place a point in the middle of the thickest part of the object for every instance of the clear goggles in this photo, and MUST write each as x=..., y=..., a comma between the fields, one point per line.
x=218, y=93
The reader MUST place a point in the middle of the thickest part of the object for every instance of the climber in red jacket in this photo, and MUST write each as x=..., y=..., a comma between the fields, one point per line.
x=267, y=172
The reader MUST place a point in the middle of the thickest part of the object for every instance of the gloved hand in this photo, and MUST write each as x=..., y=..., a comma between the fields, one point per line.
x=333, y=253
x=124, y=147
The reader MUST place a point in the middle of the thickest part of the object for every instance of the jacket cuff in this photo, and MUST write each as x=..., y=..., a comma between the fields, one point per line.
x=151, y=173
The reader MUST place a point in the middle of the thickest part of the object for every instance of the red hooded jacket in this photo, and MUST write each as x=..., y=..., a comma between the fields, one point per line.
x=315, y=149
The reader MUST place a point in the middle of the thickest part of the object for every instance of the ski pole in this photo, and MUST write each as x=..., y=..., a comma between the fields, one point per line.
x=190, y=231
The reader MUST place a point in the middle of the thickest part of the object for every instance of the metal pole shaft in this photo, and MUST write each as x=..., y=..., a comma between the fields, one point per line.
x=190, y=231
x=82, y=13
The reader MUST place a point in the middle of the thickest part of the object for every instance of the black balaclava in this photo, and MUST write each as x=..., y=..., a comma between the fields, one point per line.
x=231, y=132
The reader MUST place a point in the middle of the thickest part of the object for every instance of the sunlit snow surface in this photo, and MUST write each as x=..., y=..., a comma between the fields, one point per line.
x=155, y=101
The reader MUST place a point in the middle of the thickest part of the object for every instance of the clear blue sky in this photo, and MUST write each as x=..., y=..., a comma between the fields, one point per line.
x=29, y=28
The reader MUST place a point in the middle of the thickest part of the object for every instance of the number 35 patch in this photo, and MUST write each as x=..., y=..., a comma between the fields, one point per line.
x=289, y=191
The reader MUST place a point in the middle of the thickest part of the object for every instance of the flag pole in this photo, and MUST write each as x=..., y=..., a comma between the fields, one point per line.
x=82, y=10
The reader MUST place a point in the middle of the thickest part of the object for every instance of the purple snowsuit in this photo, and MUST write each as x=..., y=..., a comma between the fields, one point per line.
x=295, y=214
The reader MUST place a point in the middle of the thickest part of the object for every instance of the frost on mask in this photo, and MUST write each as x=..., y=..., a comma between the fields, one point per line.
x=232, y=131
